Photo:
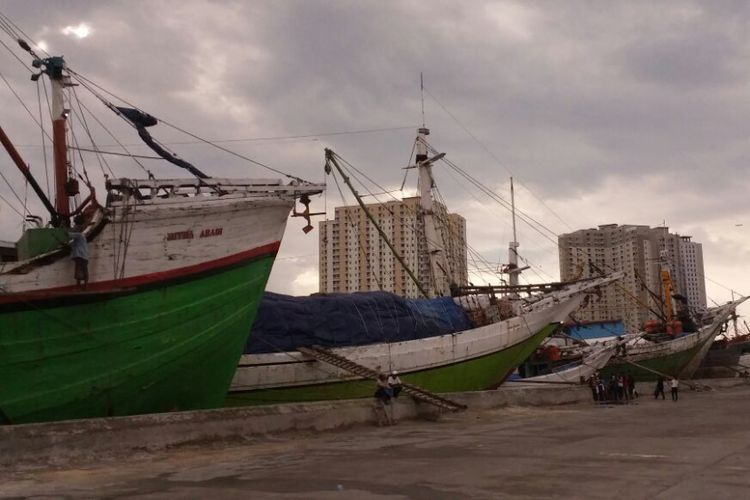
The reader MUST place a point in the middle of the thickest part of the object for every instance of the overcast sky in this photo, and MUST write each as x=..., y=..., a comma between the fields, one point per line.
x=604, y=112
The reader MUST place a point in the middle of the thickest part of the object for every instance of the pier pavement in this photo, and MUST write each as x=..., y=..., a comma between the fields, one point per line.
x=698, y=447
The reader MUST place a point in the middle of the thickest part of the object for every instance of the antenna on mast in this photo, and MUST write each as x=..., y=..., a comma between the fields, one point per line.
x=421, y=91
x=513, y=270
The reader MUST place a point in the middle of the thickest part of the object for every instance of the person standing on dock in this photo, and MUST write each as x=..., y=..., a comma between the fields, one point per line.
x=383, y=395
x=675, y=385
x=659, y=388
x=593, y=384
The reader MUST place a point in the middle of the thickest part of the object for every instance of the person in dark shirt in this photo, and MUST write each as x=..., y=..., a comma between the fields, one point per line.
x=659, y=388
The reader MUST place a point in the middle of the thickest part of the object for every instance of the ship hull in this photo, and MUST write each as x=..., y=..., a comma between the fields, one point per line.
x=164, y=347
x=679, y=358
x=475, y=359
x=584, y=369
x=475, y=374
x=671, y=363
x=175, y=283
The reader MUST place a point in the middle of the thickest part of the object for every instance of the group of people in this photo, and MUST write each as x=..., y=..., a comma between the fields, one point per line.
x=617, y=388
x=620, y=388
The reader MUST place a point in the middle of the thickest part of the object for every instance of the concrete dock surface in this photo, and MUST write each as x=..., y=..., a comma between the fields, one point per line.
x=698, y=447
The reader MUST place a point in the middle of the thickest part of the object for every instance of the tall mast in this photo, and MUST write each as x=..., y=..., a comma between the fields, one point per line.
x=53, y=68
x=440, y=283
x=513, y=270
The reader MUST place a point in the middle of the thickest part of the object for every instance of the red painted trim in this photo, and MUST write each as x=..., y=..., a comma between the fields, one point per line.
x=113, y=286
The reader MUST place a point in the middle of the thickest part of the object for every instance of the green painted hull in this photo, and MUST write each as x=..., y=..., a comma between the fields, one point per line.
x=171, y=346
x=486, y=372
x=671, y=365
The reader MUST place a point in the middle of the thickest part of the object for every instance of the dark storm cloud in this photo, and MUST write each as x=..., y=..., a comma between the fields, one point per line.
x=641, y=104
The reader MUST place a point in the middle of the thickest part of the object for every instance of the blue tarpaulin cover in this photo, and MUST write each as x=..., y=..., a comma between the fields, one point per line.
x=284, y=323
x=596, y=330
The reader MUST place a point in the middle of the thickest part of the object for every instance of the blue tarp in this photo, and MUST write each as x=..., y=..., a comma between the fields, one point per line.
x=284, y=323
x=596, y=330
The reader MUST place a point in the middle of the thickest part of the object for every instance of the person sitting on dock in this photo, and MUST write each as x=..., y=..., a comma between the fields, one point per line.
x=394, y=383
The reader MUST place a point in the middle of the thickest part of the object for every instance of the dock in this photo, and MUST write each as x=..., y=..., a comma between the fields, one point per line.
x=527, y=447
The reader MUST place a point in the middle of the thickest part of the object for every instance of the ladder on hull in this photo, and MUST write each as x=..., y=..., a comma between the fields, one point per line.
x=326, y=356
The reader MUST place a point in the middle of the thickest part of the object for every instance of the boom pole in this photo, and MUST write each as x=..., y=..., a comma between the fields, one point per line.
x=5, y=140
x=331, y=160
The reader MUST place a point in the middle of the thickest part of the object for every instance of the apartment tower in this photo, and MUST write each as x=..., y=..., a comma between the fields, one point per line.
x=639, y=252
x=354, y=257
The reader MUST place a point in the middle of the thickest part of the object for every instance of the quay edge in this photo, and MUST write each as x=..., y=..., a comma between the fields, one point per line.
x=90, y=440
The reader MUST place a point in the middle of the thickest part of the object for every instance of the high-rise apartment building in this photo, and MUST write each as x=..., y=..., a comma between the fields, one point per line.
x=354, y=257
x=638, y=251
x=694, y=284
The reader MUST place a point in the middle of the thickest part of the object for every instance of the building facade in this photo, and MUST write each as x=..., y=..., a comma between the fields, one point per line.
x=639, y=252
x=354, y=257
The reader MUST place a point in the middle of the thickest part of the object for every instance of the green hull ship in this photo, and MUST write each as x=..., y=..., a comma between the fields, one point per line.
x=154, y=313
x=679, y=357
x=484, y=372
x=173, y=346
x=478, y=358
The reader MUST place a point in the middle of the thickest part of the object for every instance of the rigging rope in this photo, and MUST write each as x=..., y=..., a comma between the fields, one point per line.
x=84, y=123
x=494, y=157
x=114, y=138
x=288, y=137
x=359, y=242
x=42, y=133
x=86, y=83
x=10, y=205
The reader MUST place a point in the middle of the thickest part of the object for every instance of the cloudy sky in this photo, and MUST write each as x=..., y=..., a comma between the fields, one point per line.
x=604, y=112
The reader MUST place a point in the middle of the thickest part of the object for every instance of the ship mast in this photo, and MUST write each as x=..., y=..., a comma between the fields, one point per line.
x=440, y=283
x=513, y=271
x=53, y=68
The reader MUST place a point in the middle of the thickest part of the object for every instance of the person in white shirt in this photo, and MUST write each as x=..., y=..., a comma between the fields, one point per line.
x=395, y=383
x=674, y=384
x=79, y=252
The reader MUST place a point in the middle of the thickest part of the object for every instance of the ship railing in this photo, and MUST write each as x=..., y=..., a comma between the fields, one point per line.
x=146, y=189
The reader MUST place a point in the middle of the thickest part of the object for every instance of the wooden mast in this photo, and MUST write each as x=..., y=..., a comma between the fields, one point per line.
x=513, y=270
x=441, y=280
x=53, y=68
